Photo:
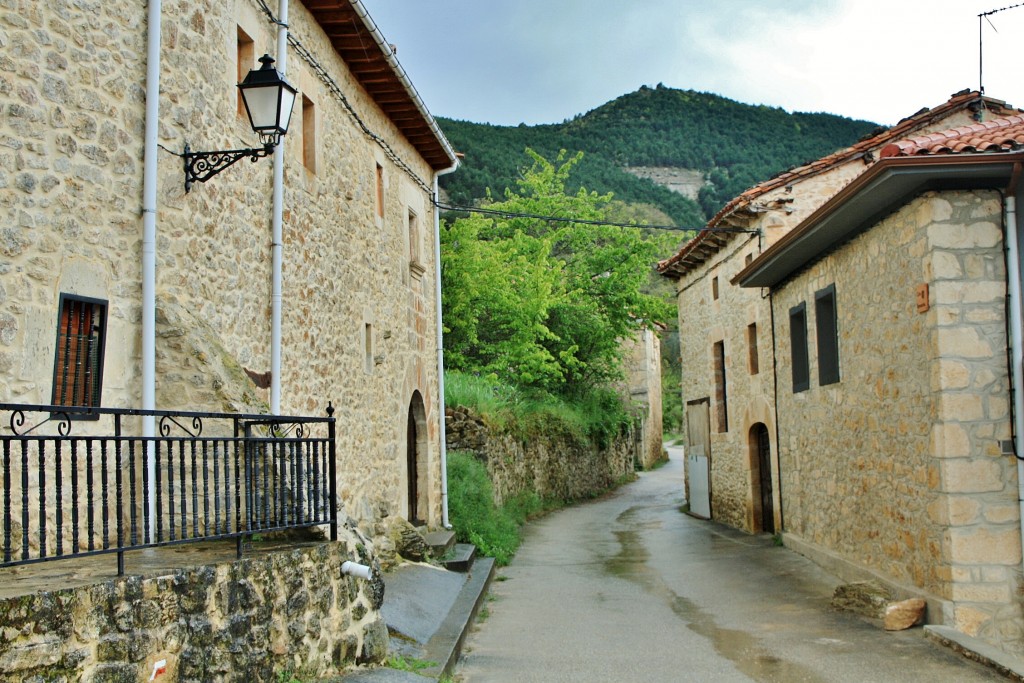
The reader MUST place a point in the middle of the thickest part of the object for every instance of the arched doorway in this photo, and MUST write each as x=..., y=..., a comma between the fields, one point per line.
x=416, y=460
x=761, y=478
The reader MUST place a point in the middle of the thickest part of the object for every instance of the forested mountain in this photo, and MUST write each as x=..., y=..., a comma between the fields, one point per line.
x=734, y=145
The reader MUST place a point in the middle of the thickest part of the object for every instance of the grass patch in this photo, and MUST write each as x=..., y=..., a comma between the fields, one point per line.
x=597, y=416
x=403, y=663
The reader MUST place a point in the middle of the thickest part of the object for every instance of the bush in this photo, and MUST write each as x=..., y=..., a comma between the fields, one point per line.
x=473, y=514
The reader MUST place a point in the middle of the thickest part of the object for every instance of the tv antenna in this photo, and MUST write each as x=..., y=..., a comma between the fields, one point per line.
x=981, y=50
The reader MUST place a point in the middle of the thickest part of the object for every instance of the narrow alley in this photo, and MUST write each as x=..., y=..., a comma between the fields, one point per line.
x=628, y=588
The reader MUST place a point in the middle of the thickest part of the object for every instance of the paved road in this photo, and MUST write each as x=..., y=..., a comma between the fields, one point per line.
x=630, y=589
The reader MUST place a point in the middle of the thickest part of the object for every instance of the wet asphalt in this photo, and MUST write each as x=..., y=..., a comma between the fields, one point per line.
x=628, y=588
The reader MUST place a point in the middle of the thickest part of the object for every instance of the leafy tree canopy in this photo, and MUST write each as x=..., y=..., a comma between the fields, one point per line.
x=543, y=304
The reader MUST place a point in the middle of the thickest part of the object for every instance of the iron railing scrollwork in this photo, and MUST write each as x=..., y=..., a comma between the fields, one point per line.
x=202, y=476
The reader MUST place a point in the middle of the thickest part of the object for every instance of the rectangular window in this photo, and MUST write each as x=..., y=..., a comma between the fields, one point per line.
x=721, y=394
x=78, y=360
x=798, y=343
x=752, y=348
x=308, y=134
x=246, y=60
x=368, y=347
x=415, y=245
x=380, y=190
x=826, y=325
x=749, y=259
x=714, y=288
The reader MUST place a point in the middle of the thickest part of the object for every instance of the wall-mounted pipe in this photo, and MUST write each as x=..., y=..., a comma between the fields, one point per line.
x=1013, y=287
x=440, y=349
x=360, y=571
x=149, y=187
x=277, y=231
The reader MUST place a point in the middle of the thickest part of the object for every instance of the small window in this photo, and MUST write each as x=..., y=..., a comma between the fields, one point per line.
x=721, y=393
x=368, y=347
x=246, y=60
x=749, y=259
x=798, y=343
x=308, y=134
x=380, y=190
x=714, y=288
x=415, y=245
x=752, y=348
x=78, y=360
x=826, y=326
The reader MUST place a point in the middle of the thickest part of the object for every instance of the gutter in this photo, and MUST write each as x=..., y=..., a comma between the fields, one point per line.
x=392, y=60
x=815, y=236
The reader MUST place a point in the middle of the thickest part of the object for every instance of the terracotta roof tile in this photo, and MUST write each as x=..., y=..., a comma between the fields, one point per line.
x=700, y=247
x=998, y=135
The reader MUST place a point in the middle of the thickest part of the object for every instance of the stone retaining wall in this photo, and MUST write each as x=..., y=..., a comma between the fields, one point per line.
x=551, y=465
x=247, y=620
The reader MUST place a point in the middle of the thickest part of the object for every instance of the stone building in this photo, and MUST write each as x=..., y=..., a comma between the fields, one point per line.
x=358, y=304
x=642, y=388
x=280, y=286
x=895, y=401
x=876, y=318
x=726, y=332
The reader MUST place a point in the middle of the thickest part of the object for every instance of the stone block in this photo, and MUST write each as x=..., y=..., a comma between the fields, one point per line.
x=981, y=545
x=904, y=614
x=968, y=475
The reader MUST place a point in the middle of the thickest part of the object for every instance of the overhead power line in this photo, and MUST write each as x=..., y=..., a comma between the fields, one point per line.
x=570, y=219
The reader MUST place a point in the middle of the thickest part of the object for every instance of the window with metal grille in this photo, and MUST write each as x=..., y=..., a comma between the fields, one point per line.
x=798, y=344
x=78, y=361
x=828, y=335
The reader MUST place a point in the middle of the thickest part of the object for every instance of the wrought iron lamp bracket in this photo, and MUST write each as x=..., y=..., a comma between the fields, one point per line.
x=201, y=166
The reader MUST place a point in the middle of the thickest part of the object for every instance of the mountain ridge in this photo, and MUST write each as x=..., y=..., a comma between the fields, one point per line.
x=732, y=144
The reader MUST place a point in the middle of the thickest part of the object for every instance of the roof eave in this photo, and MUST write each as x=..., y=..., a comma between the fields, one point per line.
x=866, y=200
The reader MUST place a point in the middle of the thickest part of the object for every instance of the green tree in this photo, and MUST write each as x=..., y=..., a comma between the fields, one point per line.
x=543, y=304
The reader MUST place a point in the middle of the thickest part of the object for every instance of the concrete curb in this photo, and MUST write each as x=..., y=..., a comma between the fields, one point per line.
x=976, y=650
x=445, y=646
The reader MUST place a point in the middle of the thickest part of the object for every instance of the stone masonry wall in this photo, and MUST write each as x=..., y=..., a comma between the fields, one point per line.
x=247, y=620
x=642, y=356
x=358, y=319
x=897, y=467
x=703, y=321
x=550, y=465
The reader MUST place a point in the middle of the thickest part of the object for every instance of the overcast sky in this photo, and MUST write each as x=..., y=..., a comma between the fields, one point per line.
x=543, y=61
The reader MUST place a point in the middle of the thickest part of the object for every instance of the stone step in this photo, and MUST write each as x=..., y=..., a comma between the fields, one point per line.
x=460, y=558
x=440, y=542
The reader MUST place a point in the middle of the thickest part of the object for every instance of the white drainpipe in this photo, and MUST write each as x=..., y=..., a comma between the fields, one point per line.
x=1013, y=284
x=149, y=187
x=440, y=349
x=277, y=238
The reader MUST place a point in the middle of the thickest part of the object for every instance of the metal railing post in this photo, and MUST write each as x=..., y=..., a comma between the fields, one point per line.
x=332, y=451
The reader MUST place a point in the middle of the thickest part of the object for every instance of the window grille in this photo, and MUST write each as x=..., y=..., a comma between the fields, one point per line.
x=78, y=364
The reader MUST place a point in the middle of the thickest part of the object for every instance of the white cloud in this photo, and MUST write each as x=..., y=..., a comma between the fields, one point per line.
x=539, y=61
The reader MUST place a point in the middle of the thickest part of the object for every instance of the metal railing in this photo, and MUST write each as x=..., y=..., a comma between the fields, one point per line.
x=201, y=476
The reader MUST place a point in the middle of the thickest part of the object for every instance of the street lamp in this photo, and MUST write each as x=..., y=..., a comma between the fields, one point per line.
x=268, y=102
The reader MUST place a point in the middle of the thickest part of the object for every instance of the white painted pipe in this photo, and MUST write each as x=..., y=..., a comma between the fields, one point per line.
x=277, y=236
x=1013, y=284
x=149, y=193
x=440, y=349
x=360, y=571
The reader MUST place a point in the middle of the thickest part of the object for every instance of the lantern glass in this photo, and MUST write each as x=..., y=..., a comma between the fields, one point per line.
x=269, y=100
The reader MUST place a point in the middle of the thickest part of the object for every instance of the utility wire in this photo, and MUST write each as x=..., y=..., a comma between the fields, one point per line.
x=569, y=219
